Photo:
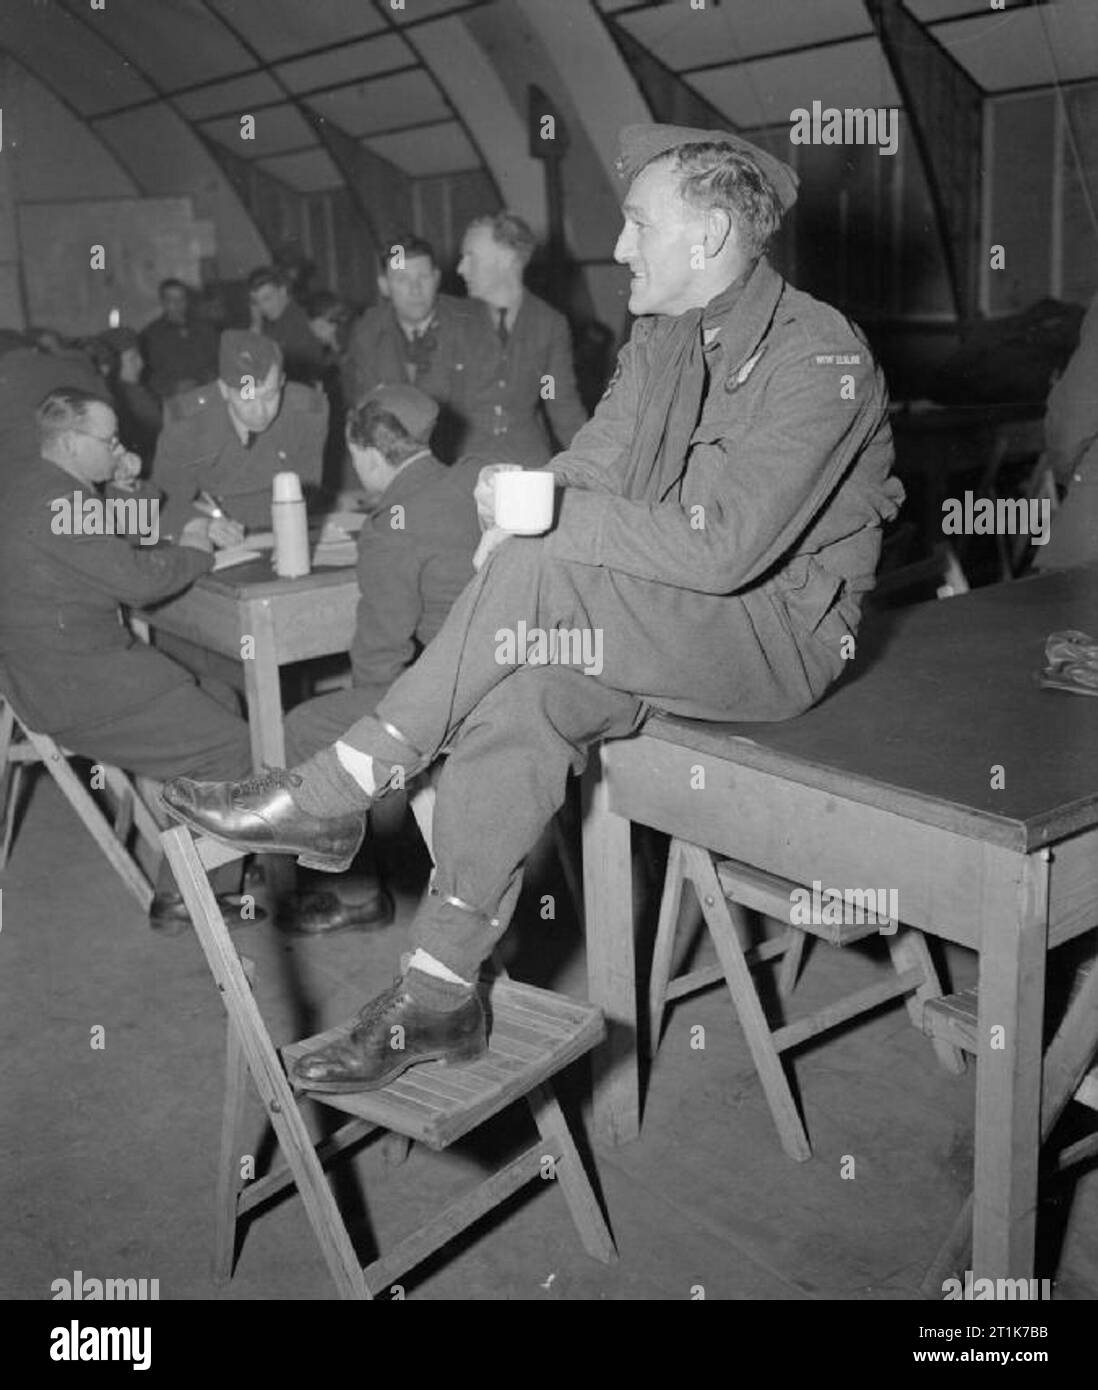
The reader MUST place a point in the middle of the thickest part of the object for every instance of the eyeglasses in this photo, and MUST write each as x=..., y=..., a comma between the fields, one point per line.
x=113, y=444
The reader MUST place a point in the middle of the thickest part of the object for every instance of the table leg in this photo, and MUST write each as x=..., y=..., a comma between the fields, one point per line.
x=611, y=958
x=262, y=687
x=1013, y=945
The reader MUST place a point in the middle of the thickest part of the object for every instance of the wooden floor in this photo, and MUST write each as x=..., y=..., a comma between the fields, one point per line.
x=115, y=1166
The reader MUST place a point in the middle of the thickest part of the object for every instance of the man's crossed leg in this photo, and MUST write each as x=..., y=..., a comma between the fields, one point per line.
x=512, y=731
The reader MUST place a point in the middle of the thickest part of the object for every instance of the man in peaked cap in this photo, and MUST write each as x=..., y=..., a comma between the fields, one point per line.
x=231, y=437
x=415, y=556
x=718, y=522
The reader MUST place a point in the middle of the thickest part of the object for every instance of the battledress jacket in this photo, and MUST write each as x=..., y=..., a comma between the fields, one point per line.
x=200, y=450
x=789, y=464
x=66, y=659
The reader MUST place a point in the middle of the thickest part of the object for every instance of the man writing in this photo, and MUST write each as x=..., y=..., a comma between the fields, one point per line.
x=230, y=438
x=719, y=521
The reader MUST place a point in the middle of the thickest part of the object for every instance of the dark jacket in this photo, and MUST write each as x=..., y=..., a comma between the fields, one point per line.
x=303, y=354
x=415, y=555
x=507, y=408
x=379, y=355
x=63, y=650
x=179, y=357
x=200, y=450
x=789, y=463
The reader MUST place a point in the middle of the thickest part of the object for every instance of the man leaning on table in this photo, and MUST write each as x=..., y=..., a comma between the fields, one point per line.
x=718, y=523
x=415, y=556
x=230, y=437
x=69, y=665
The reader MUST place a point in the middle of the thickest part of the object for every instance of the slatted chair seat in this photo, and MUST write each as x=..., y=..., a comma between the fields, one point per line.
x=22, y=746
x=534, y=1034
x=726, y=891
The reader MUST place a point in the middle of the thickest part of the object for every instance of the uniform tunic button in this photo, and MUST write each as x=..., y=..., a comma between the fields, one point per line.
x=501, y=383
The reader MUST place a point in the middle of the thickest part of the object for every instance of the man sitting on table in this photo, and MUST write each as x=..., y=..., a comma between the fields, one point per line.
x=230, y=438
x=69, y=665
x=415, y=555
x=718, y=522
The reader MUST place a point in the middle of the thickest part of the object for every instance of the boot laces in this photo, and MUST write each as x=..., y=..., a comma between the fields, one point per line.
x=378, y=1007
x=269, y=780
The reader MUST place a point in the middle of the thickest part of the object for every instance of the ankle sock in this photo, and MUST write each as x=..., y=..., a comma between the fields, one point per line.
x=430, y=965
x=327, y=789
x=373, y=771
x=433, y=992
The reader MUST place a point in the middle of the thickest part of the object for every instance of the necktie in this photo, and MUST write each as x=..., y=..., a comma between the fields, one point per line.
x=502, y=327
x=420, y=348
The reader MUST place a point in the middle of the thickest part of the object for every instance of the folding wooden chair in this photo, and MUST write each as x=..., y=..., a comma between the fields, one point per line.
x=534, y=1034
x=21, y=746
x=726, y=891
x=1069, y=1074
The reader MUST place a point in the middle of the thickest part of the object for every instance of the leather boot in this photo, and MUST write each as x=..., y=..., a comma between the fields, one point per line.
x=394, y=1032
x=260, y=814
x=321, y=912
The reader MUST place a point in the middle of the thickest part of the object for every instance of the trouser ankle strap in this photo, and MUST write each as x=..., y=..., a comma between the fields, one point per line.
x=453, y=901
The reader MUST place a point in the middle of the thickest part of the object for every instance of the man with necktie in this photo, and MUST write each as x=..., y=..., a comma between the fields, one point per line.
x=525, y=382
x=415, y=337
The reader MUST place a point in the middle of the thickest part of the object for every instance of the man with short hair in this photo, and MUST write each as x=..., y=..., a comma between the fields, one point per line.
x=415, y=556
x=231, y=439
x=415, y=336
x=718, y=522
x=179, y=349
x=282, y=319
x=524, y=374
x=67, y=662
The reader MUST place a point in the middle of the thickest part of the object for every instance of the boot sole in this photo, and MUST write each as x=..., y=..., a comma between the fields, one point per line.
x=308, y=859
x=468, y=1052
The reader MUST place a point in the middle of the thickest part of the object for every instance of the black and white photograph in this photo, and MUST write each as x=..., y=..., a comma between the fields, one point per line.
x=549, y=666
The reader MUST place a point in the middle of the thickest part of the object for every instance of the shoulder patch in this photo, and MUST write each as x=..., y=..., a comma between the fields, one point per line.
x=738, y=375
x=308, y=399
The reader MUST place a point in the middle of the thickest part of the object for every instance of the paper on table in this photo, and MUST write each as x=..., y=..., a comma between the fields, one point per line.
x=234, y=555
x=345, y=521
x=260, y=540
x=336, y=552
